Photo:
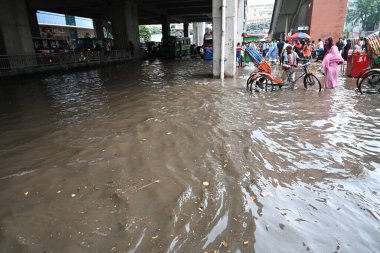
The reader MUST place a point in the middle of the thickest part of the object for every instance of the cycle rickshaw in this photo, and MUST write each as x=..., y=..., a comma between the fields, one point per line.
x=263, y=79
x=369, y=80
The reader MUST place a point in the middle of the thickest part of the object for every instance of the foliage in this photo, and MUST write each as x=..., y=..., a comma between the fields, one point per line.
x=155, y=29
x=366, y=12
x=87, y=35
x=145, y=33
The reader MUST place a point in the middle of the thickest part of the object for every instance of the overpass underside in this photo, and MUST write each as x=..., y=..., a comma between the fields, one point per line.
x=318, y=18
x=18, y=22
x=288, y=16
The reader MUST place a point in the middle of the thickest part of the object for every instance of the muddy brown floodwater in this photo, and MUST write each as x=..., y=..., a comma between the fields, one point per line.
x=115, y=160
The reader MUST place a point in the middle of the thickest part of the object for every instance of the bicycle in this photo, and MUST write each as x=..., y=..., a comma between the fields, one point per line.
x=264, y=81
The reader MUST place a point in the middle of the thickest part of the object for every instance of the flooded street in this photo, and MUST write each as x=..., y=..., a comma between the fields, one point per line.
x=118, y=160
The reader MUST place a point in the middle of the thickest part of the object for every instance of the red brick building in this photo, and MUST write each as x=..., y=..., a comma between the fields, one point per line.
x=327, y=18
x=319, y=18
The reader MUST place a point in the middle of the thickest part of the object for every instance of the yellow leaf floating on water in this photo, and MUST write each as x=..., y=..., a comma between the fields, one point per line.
x=73, y=195
x=245, y=242
x=26, y=193
x=205, y=183
x=154, y=237
x=224, y=243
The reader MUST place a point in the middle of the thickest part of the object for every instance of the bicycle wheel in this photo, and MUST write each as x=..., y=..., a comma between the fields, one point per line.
x=370, y=83
x=311, y=82
x=261, y=83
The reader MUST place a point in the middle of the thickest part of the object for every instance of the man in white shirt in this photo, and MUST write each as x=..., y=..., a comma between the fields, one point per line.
x=320, y=46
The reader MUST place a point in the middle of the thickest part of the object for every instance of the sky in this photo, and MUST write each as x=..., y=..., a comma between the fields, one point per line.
x=257, y=2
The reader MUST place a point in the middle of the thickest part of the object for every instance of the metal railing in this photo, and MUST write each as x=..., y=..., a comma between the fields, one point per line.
x=16, y=62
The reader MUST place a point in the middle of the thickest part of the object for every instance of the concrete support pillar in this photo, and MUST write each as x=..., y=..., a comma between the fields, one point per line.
x=241, y=18
x=98, y=26
x=185, y=30
x=165, y=26
x=133, y=26
x=119, y=26
x=286, y=25
x=125, y=26
x=199, y=31
x=15, y=34
x=33, y=22
x=230, y=37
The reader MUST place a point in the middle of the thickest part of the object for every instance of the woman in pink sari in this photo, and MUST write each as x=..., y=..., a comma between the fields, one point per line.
x=331, y=68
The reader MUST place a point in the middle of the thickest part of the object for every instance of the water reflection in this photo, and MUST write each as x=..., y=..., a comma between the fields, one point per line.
x=114, y=159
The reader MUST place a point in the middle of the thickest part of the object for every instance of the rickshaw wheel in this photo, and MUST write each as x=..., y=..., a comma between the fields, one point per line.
x=370, y=83
x=249, y=81
x=365, y=73
x=261, y=83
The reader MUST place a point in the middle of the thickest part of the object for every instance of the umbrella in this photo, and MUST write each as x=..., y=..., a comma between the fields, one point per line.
x=300, y=36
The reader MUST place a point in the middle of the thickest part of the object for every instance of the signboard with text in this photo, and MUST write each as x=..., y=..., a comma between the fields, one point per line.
x=303, y=28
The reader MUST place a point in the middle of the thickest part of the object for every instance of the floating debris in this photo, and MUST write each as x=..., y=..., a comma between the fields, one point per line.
x=73, y=195
x=224, y=243
x=26, y=193
x=265, y=194
x=142, y=187
x=205, y=183
x=245, y=242
x=154, y=237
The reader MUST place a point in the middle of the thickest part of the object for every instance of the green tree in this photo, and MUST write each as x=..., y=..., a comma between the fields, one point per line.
x=155, y=29
x=144, y=32
x=366, y=12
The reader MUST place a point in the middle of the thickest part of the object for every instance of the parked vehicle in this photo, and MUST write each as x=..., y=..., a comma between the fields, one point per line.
x=172, y=47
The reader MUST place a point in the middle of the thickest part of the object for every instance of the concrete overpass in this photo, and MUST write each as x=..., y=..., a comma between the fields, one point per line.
x=319, y=18
x=18, y=23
